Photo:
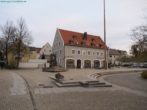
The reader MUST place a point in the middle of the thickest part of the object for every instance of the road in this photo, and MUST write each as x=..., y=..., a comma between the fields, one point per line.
x=133, y=81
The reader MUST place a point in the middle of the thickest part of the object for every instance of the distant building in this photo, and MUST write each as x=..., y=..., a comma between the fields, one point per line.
x=32, y=53
x=115, y=55
x=46, y=50
x=78, y=50
x=36, y=53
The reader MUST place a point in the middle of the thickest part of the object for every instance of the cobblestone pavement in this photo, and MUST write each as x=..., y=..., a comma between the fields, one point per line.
x=35, y=77
x=77, y=98
x=13, y=92
x=15, y=102
x=94, y=100
x=6, y=82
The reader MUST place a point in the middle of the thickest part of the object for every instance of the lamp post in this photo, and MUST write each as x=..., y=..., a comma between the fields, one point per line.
x=105, y=50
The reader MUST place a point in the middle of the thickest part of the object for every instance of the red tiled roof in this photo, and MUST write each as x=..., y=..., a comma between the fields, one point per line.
x=76, y=39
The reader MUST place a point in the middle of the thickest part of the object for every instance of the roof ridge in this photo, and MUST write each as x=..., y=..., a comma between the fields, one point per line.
x=78, y=32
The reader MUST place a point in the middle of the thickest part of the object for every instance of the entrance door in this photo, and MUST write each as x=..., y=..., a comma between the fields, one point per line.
x=87, y=64
x=96, y=64
x=70, y=63
x=78, y=63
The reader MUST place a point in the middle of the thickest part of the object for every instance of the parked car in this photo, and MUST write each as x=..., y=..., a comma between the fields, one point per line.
x=136, y=65
x=144, y=65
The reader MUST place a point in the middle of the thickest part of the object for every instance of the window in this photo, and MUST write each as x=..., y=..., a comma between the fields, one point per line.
x=59, y=43
x=88, y=52
x=101, y=54
x=60, y=51
x=73, y=51
x=97, y=53
x=93, y=53
x=79, y=52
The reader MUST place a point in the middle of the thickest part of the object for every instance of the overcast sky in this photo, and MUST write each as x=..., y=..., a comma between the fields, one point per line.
x=43, y=17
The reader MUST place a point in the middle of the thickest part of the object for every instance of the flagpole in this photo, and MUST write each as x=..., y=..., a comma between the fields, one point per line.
x=105, y=50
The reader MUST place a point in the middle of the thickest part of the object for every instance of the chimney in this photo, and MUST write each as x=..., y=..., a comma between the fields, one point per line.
x=85, y=35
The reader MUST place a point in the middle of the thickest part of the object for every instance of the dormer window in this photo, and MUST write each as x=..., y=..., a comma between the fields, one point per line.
x=83, y=43
x=92, y=44
x=100, y=45
x=92, y=39
x=71, y=42
x=73, y=36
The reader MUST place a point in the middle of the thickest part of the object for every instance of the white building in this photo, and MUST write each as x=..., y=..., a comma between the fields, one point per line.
x=46, y=50
x=78, y=50
x=115, y=55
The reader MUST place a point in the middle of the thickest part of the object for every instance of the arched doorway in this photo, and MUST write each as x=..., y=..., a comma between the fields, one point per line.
x=70, y=63
x=78, y=63
x=87, y=64
x=96, y=64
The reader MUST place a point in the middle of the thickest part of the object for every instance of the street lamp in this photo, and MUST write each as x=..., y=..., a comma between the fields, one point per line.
x=105, y=50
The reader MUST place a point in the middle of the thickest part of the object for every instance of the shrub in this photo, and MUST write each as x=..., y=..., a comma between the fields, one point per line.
x=144, y=74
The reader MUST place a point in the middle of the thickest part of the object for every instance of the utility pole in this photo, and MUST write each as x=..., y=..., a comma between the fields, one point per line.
x=105, y=50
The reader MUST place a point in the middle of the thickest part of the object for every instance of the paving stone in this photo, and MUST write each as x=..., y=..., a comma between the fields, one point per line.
x=100, y=100
x=21, y=102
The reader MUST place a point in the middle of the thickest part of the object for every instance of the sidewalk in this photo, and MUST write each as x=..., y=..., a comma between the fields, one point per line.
x=13, y=92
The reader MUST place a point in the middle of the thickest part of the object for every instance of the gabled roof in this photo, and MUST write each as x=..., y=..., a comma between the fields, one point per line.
x=47, y=44
x=77, y=39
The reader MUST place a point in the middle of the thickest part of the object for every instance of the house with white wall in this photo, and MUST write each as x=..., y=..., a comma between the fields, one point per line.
x=115, y=55
x=46, y=50
x=78, y=50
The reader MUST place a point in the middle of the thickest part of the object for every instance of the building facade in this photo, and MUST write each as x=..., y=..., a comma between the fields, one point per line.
x=37, y=53
x=115, y=55
x=78, y=50
x=46, y=50
x=32, y=53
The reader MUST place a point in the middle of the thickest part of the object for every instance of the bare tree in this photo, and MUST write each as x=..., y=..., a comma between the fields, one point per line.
x=2, y=48
x=23, y=39
x=138, y=36
x=8, y=35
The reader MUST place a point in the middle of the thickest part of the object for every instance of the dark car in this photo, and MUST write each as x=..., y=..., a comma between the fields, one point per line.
x=144, y=66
